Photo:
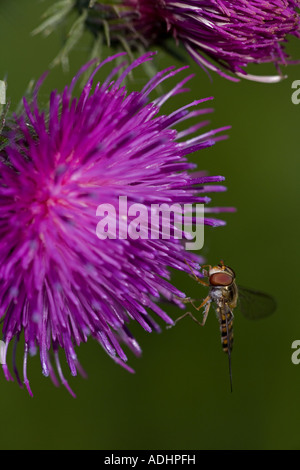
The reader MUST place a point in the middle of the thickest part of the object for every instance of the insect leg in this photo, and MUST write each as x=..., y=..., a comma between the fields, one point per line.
x=206, y=266
x=206, y=284
x=186, y=300
x=206, y=310
x=182, y=317
x=195, y=276
x=205, y=302
x=205, y=272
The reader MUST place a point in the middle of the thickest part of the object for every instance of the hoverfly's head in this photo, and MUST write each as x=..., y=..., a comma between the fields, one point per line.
x=221, y=275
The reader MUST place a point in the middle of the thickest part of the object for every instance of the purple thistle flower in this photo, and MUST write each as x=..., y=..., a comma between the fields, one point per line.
x=60, y=284
x=220, y=35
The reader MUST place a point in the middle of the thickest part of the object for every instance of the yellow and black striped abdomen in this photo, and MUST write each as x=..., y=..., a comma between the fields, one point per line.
x=226, y=328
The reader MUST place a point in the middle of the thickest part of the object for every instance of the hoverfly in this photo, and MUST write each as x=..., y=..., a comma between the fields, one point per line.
x=226, y=296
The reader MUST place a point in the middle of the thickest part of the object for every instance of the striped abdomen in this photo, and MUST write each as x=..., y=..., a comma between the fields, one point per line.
x=226, y=328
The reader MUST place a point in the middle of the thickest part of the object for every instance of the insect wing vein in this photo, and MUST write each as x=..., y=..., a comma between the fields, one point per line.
x=255, y=304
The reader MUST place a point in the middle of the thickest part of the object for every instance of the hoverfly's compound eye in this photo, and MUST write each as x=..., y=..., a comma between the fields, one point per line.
x=220, y=279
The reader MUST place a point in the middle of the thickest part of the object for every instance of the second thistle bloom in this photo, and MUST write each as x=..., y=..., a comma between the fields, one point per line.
x=220, y=35
x=60, y=284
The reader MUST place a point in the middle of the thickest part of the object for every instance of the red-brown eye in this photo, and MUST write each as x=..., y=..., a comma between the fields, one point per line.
x=220, y=279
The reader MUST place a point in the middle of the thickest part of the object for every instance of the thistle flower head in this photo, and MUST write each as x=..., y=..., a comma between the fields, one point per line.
x=60, y=283
x=220, y=35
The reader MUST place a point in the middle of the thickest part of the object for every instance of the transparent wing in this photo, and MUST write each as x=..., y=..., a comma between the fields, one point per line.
x=254, y=304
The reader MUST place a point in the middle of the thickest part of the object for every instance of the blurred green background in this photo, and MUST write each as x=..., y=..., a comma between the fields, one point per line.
x=180, y=397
